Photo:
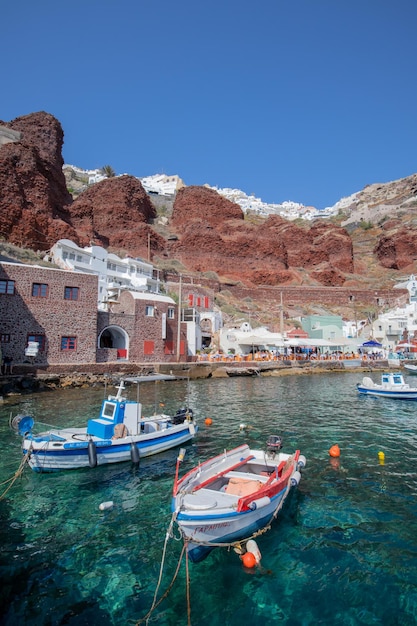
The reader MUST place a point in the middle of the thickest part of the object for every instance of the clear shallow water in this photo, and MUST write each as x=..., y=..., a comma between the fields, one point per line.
x=343, y=552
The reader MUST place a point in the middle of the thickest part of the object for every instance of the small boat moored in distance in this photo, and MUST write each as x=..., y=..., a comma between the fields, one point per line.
x=224, y=501
x=119, y=433
x=392, y=386
x=410, y=368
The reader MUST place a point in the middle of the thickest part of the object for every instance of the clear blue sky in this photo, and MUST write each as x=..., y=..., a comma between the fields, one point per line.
x=303, y=100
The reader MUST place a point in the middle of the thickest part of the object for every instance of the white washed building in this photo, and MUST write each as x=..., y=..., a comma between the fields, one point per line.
x=162, y=184
x=114, y=274
x=389, y=328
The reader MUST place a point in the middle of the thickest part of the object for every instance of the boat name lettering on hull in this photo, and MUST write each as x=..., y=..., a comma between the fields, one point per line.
x=204, y=529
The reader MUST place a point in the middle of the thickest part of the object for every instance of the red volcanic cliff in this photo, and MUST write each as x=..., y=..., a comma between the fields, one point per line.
x=205, y=232
x=115, y=213
x=397, y=250
x=213, y=236
x=205, y=204
x=36, y=209
x=34, y=199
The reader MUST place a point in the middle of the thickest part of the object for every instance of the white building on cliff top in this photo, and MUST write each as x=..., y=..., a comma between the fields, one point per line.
x=161, y=184
x=114, y=274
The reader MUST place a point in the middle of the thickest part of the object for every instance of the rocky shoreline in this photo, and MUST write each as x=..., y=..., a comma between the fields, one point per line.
x=34, y=381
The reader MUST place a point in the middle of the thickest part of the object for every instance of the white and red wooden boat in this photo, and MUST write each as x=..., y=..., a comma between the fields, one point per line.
x=226, y=500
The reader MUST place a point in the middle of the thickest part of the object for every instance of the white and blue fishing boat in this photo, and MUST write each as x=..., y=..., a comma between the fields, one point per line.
x=228, y=499
x=119, y=433
x=392, y=386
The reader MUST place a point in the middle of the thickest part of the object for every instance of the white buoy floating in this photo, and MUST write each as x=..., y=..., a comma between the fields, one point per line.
x=252, y=547
x=106, y=506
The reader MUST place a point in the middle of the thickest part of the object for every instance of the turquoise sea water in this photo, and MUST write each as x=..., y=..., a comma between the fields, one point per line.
x=344, y=550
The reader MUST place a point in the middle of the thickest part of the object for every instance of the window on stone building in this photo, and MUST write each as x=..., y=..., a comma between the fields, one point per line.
x=68, y=343
x=149, y=310
x=171, y=313
x=7, y=287
x=4, y=338
x=148, y=347
x=40, y=290
x=39, y=339
x=71, y=293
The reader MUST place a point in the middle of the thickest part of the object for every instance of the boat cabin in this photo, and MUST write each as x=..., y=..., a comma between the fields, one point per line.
x=115, y=411
x=392, y=379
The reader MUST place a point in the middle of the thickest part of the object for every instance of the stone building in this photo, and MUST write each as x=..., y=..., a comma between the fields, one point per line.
x=50, y=307
x=49, y=316
x=141, y=327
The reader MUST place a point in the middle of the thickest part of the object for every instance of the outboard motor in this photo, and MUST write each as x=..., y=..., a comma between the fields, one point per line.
x=274, y=444
x=181, y=415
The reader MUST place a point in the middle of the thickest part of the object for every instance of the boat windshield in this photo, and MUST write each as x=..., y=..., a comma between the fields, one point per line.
x=108, y=410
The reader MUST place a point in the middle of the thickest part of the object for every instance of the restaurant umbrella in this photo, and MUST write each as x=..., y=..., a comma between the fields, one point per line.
x=371, y=344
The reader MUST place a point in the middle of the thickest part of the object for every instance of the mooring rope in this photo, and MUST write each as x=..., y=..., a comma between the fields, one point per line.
x=187, y=578
x=257, y=533
x=156, y=603
x=169, y=534
x=16, y=475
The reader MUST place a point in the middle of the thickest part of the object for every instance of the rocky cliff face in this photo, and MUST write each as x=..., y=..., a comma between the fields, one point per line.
x=391, y=210
x=205, y=231
x=36, y=209
x=212, y=235
x=397, y=249
x=34, y=199
x=115, y=213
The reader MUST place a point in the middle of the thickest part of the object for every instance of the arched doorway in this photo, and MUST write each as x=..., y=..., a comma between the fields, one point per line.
x=115, y=338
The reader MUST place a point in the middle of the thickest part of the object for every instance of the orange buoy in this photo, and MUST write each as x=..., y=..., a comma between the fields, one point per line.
x=249, y=560
x=208, y=421
x=334, y=451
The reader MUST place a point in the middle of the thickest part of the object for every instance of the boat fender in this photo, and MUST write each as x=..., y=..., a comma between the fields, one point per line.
x=295, y=479
x=134, y=453
x=92, y=453
x=258, y=504
x=252, y=547
x=302, y=461
x=106, y=506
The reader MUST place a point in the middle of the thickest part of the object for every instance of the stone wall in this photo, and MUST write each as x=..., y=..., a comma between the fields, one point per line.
x=147, y=343
x=23, y=314
x=327, y=296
